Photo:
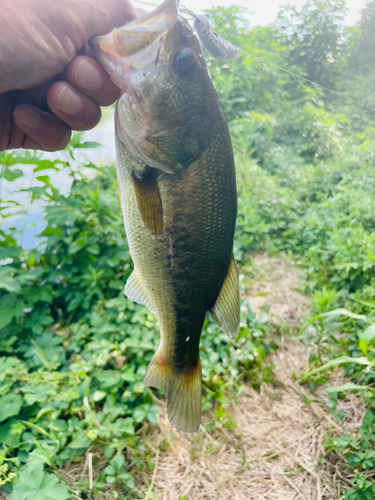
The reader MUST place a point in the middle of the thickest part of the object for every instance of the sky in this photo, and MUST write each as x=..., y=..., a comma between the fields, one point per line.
x=262, y=11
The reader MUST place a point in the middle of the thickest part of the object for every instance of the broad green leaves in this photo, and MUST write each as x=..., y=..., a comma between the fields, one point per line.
x=10, y=405
x=11, y=306
x=74, y=350
x=35, y=484
x=7, y=282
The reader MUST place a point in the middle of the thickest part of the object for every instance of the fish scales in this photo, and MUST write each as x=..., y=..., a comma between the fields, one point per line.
x=178, y=195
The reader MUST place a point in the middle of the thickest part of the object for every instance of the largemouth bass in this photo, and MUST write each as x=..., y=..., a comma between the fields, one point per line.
x=178, y=195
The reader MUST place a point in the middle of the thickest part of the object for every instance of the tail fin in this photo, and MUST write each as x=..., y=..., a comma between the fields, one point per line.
x=183, y=390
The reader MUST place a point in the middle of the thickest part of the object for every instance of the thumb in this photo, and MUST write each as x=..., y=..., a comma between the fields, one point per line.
x=99, y=17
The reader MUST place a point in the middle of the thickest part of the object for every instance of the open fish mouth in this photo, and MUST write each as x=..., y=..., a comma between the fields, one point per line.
x=137, y=44
x=140, y=39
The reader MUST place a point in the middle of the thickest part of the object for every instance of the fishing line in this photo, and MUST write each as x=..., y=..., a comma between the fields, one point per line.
x=189, y=12
x=313, y=83
x=149, y=4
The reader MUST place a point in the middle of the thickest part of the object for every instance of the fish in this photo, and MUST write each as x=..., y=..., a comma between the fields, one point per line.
x=177, y=185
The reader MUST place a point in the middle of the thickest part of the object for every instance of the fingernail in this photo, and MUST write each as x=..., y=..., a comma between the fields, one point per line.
x=69, y=102
x=88, y=76
x=27, y=116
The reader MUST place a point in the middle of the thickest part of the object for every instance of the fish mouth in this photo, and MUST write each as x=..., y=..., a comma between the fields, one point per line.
x=135, y=45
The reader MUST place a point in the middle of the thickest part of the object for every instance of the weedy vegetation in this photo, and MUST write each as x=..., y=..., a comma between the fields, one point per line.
x=74, y=349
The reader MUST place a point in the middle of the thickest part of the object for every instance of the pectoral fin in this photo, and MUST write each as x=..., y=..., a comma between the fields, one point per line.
x=135, y=290
x=226, y=311
x=149, y=204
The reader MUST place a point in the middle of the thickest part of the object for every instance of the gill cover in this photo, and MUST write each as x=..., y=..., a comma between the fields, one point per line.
x=158, y=64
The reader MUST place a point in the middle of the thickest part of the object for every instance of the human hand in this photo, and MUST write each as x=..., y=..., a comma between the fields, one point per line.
x=49, y=84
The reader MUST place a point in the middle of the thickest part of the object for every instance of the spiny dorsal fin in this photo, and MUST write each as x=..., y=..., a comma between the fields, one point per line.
x=135, y=290
x=226, y=311
x=149, y=204
x=183, y=390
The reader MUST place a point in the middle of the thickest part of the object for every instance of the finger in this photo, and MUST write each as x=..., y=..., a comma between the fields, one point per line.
x=72, y=107
x=29, y=143
x=89, y=77
x=47, y=130
x=6, y=105
x=17, y=136
x=101, y=16
x=36, y=96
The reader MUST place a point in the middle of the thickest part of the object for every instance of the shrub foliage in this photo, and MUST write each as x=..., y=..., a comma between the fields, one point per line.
x=74, y=349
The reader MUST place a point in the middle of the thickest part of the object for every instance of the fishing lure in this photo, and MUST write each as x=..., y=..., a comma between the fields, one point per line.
x=214, y=44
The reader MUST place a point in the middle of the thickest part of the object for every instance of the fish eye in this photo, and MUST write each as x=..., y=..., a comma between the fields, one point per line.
x=184, y=63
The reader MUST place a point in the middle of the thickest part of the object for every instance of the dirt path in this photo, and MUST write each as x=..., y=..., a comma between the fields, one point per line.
x=275, y=452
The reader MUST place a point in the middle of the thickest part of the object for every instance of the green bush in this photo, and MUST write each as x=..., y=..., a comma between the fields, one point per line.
x=74, y=350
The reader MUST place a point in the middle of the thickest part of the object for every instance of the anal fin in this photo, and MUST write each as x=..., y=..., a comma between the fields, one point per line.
x=226, y=311
x=135, y=290
x=183, y=391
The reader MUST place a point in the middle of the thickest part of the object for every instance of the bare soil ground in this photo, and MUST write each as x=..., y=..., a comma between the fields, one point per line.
x=274, y=452
x=274, y=287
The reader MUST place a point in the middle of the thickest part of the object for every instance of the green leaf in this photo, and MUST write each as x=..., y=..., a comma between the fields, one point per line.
x=99, y=395
x=118, y=461
x=349, y=386
x=9, y=284
x=22, y=492
x=75, y=142
x=366, y=339
x=129, y=375
x=47, y=164
x=76, y=246
x=10, y=366
x=140, y=413
x=341, y=311
x=10, y=307
x=126, y=478
x=34, y=476
x=35, y=484
x=6, y=436
x=50, y=488
x=10, y=174
x=10, y=405
x=80, y=441
x=110, y=470
x=45, y=179
x=50, y=231
x=93, y=249
x=125, y=425
x=108, y=378
x=342, y=360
